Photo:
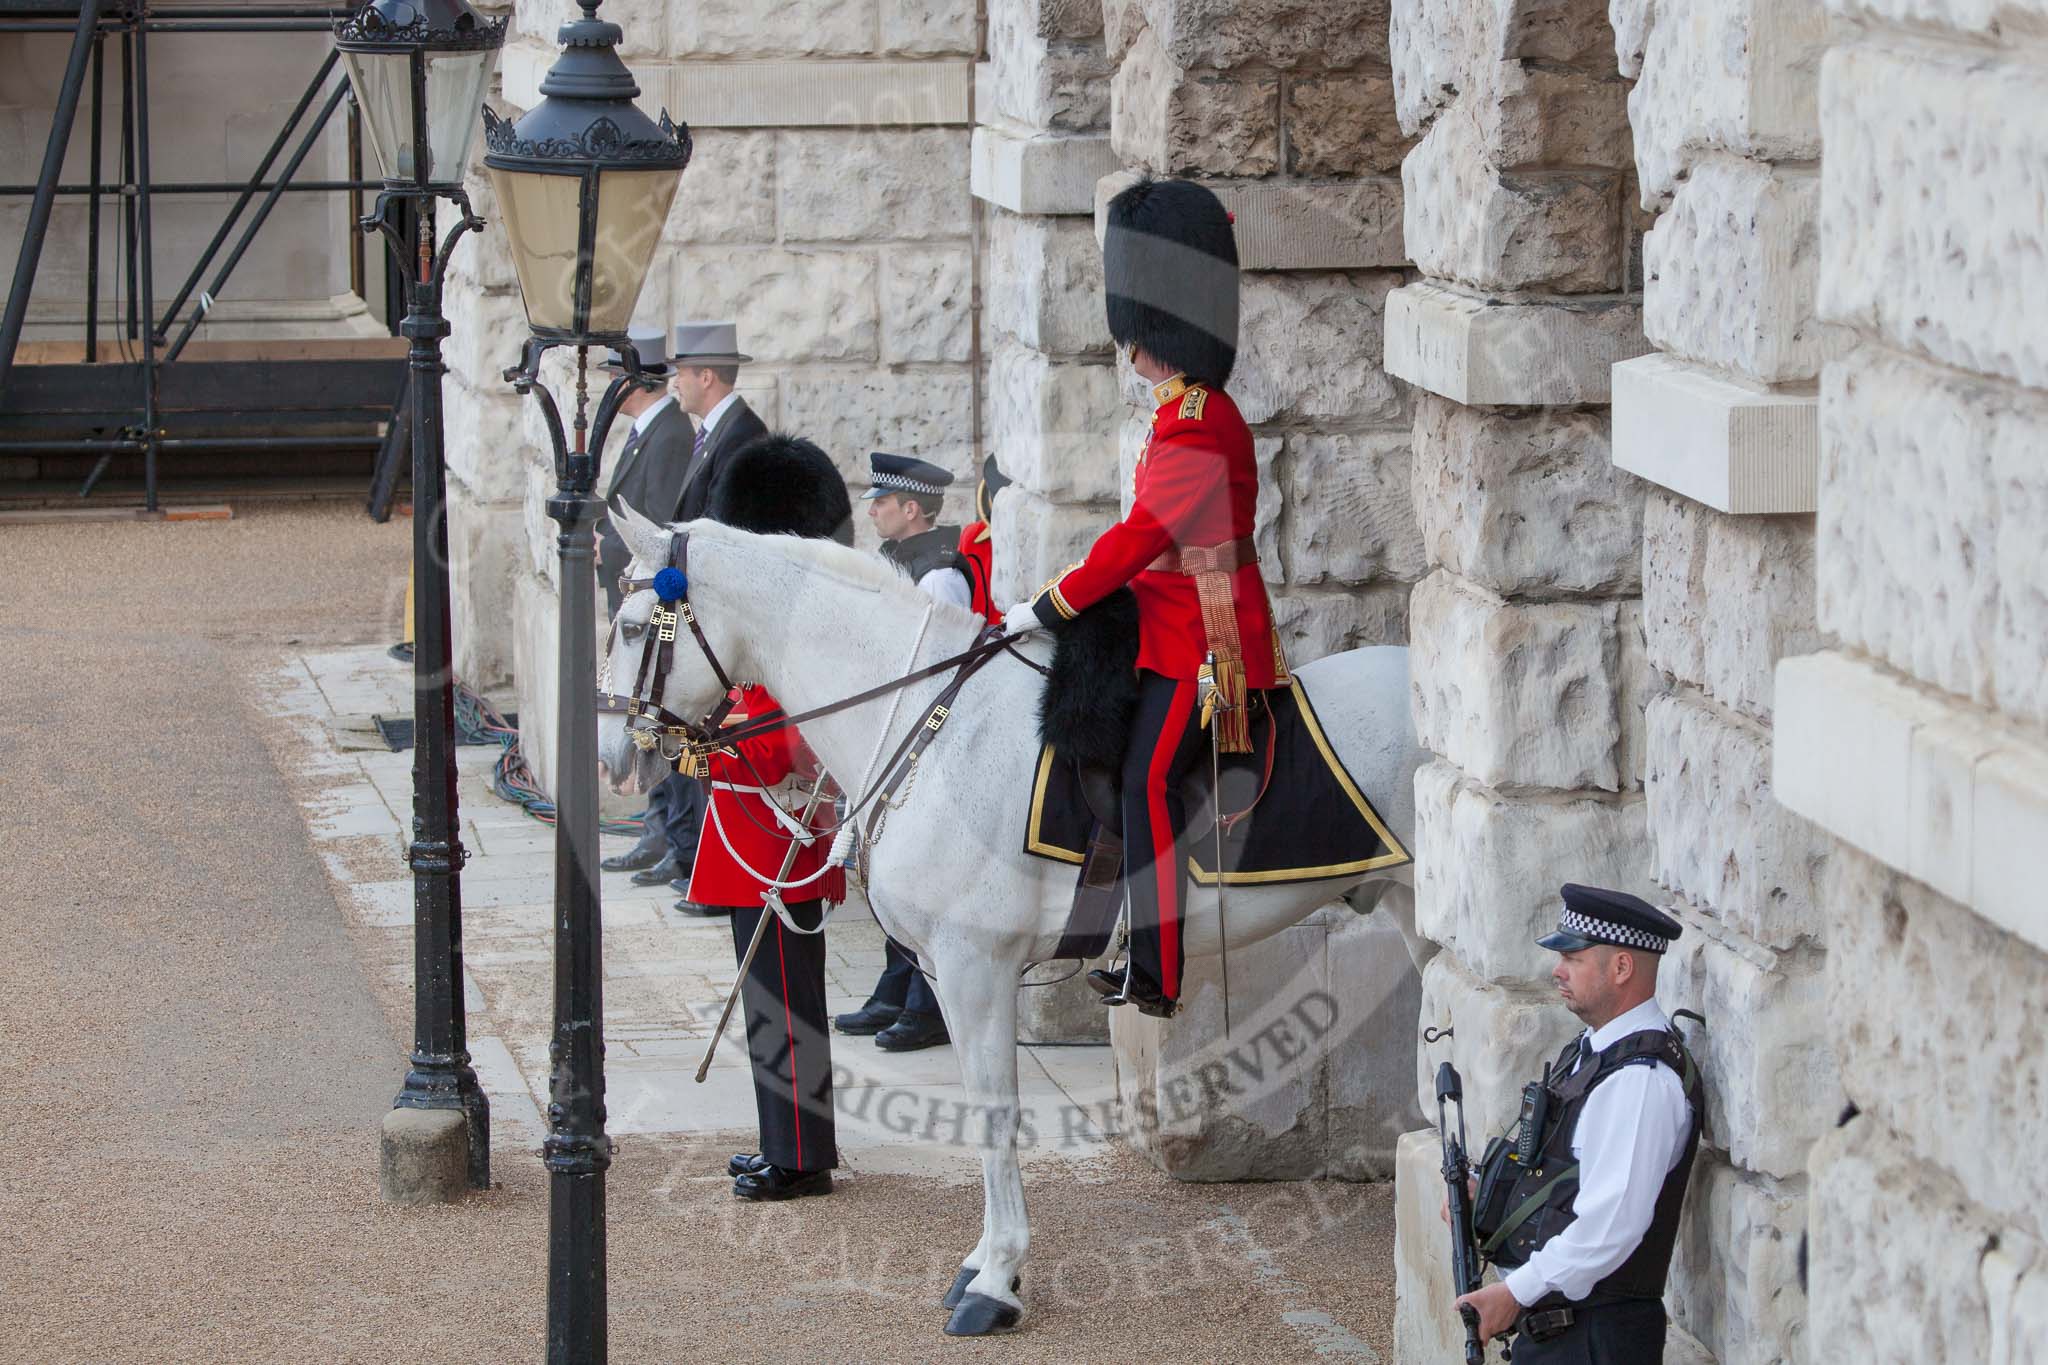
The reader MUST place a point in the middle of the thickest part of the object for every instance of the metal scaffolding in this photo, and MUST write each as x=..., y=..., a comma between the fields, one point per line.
x=42, y=407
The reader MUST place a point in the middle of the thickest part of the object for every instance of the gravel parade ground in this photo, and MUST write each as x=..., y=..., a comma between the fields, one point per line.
x=202, y=1031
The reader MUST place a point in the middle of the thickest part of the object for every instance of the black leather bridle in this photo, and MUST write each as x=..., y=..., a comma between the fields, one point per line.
x=650, y=722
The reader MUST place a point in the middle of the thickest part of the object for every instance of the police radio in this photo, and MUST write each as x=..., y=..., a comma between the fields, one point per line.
x=1535, y=1111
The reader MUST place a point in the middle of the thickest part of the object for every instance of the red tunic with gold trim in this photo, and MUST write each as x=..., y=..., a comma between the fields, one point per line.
x=744, y=821
x=1196, y=487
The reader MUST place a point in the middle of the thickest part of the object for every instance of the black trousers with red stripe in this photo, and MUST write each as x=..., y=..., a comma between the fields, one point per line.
x=787, y=1038
x=1167, y=742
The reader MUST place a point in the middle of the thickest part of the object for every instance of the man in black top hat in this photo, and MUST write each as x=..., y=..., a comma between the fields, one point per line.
x=1579, y=1209
x=647, y=475
x=904, y=497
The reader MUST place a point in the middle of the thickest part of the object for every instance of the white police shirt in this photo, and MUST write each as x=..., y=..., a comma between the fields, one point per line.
x=947, y=585
x=1631, y=1135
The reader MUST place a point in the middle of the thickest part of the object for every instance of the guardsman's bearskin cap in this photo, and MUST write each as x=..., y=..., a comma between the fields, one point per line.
x=782, y=485
x=1169, y=266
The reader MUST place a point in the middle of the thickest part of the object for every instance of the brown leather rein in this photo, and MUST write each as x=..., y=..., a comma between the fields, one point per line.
x=645, y=715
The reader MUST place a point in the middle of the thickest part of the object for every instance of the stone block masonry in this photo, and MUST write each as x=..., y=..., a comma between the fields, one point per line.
x=1721, y=423
x=1529, y=666
x=1917, y=745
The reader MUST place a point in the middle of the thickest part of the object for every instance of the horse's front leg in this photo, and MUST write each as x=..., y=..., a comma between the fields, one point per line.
x=979, y=996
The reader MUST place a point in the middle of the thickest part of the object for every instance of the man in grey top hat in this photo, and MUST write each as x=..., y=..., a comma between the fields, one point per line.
x=707, y=366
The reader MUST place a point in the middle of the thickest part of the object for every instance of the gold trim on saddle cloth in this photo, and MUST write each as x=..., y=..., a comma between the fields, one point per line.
x=1032, y=843
x=1395, y=855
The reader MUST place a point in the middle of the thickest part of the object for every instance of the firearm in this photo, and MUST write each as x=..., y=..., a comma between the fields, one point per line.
x=1457, y=1172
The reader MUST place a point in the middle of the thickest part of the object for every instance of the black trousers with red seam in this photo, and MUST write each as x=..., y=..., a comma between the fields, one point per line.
x=788, y=1038
x=1167, y=744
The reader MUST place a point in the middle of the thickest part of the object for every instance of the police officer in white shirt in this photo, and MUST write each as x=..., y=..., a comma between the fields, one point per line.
x=1579, y=1206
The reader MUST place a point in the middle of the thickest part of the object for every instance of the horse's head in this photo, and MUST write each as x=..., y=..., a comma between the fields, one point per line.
x=635, y=756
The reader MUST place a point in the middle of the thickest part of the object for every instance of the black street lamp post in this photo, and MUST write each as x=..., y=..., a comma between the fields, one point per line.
x=584, y=181
x=420, y=69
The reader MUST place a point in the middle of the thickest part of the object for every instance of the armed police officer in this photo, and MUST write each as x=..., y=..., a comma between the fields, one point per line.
x=1579, y=1206
x=1205, y=628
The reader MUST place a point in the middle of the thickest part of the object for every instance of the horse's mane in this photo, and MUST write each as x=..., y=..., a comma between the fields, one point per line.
x=863, y=569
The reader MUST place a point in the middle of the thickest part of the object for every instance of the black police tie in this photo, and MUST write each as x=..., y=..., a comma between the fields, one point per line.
x=1585, y=1050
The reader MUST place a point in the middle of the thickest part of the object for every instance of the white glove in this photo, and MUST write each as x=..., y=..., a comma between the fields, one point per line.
x=1021, y=620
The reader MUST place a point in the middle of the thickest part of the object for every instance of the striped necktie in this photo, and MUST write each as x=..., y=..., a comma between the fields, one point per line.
x=703, y=439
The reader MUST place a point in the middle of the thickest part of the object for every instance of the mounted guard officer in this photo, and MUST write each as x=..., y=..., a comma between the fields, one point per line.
x=1579, y=1208
x=1205, y=627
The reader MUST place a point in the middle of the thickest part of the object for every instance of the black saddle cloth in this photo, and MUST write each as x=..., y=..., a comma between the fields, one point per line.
x=1291, y=811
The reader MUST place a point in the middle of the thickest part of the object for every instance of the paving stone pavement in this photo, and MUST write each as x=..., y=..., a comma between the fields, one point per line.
x=207, y=1005
x=665, y=975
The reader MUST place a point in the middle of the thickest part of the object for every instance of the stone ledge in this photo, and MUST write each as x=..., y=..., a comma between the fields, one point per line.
x=1039, y=173
x=1948, y=794
x=1475, y=351
x=1733, y=448
x=1338, y=225
x=777, y=94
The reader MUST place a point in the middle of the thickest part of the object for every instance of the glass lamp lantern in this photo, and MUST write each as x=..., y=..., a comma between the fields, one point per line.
x=420, y=69
x=584, y=182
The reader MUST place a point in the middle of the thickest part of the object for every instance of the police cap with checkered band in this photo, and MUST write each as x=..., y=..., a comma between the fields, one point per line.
x=1594, y=916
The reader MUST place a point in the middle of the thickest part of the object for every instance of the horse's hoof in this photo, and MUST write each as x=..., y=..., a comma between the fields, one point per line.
x=965, y=1278
x=979, y=1316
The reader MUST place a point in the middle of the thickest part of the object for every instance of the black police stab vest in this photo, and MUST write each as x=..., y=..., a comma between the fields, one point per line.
x=918, y=555
x=1522, y=1207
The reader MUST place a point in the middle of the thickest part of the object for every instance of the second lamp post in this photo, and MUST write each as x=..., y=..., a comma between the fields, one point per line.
x=420, y=69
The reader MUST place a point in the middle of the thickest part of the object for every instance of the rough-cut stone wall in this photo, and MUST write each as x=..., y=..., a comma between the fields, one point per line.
x=1530, y=674
x=1722, y=418
x=1919, y=741
x=1285, y=108
x=826, y=210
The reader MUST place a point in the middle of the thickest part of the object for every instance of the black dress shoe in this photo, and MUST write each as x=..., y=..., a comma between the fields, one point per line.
x=779, y=1182
x=654, y=874
x=744, y=1162
x=696, y=911
x=872, y=1017
x=911, y=1032
x=651, y=849
x=1111, y=986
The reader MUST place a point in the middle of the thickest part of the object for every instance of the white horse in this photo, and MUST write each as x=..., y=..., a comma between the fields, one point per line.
x=815, y=622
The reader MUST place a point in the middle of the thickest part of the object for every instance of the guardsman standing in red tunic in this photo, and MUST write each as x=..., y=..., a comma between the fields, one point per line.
x=776, y=485
x=758, y=792
x=1205, y=627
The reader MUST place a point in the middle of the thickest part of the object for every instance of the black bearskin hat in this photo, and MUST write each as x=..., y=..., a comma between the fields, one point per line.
x=782, y=485
x=1169, y=268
